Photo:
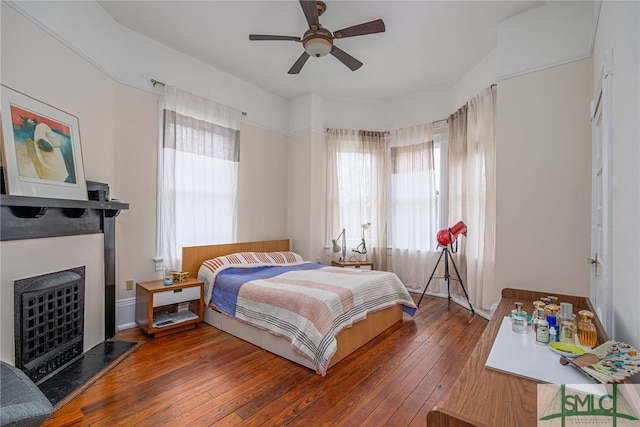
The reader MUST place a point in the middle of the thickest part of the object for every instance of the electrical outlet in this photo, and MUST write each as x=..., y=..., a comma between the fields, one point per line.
x=129, y=285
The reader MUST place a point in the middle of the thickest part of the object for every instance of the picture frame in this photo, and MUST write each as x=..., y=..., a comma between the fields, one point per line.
x=41, y=151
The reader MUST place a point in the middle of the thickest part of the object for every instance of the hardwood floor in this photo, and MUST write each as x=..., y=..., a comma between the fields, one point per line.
x=205, y=377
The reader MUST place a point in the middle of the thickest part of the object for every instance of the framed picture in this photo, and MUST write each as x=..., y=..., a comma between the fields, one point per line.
x=41, y=151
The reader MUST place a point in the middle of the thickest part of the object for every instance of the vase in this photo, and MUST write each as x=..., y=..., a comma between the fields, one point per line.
x=362, y=257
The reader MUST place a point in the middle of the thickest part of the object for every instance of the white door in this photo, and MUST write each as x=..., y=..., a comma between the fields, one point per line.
x=601, y=198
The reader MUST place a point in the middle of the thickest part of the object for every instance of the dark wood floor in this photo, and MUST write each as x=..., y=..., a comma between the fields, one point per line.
x=205, y=377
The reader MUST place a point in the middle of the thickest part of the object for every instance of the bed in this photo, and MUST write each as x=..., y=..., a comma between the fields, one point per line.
x=278, y=321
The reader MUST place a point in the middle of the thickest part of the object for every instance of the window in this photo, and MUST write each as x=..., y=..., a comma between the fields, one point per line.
x=198, y=174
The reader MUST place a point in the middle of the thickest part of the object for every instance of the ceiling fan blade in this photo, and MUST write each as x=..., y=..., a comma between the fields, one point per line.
x=295, y=69
x=268, y=37
x=310, y=10
x=376, y=26
x=346, y=59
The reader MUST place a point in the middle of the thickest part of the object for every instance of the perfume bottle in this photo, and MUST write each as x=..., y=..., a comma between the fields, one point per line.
x=587, y=334
x=519, y=319
x=534, y=314
x=541, y=328
x=553, y=328
x=567, y=323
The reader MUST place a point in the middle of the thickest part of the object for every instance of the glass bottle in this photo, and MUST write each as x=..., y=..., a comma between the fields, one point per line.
x=567, y=323
x=541, y=328
x=519, y=319
x=587, y=334
x=534, y=314
x=553, y=328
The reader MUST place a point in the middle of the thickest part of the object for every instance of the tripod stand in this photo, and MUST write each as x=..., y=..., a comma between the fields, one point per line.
x=447, y=258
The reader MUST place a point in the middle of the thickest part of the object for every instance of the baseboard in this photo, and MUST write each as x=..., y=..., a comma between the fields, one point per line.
x=125, y=314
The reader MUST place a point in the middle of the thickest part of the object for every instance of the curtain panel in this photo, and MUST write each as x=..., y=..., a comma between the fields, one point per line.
x=414, y=205
x=199, y=161
x=357, y=171
x=472, y=194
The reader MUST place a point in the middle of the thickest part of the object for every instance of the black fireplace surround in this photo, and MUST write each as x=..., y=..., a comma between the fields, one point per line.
x=26, y=217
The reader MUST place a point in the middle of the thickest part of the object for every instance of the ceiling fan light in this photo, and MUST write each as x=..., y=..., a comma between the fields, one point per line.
x=317, y=46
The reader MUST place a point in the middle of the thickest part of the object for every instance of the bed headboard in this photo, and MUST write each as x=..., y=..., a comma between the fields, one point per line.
x=194, y=256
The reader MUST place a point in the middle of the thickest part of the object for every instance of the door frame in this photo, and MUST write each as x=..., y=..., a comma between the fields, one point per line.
x=602, y=263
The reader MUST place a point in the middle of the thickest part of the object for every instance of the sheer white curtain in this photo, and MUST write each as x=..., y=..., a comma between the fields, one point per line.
x=414, y=205
x=472, y=193
x=199, y=173
x=357, y=170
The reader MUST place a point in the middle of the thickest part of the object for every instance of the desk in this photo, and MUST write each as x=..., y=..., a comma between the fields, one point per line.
x=485, y=397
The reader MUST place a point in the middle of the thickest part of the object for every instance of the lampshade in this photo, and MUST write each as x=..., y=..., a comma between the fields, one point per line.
x=318, y=45
x=338, y=248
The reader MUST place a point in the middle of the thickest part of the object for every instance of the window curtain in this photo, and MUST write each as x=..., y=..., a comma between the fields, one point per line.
x=414, y=205
x=357, y=170
x=472, y=194
x=199, y=163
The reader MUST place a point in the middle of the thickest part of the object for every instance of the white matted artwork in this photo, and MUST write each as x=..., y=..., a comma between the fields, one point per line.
x=41, y=151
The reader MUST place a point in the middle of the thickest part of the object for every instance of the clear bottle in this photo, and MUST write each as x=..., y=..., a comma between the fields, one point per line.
x=587, y=334
x=519, y=319
x=567, y=323
x=541, y=328
x=534, y=314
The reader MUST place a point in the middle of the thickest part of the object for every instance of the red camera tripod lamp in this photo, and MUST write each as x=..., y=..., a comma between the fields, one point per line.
x=446, y=238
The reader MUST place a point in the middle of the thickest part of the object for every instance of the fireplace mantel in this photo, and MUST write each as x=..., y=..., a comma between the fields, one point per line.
x=39, y=217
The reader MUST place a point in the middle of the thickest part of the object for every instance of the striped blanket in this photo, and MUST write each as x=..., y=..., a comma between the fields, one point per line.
x=306, y=303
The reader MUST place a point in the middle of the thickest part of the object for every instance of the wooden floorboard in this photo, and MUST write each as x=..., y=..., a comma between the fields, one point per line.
x=205, y=377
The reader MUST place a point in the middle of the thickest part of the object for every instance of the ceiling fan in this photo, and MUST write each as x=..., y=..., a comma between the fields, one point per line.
x=318, y=41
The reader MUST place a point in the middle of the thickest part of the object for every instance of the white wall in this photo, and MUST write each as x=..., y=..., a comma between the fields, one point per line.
x=619, y=29
x=543, y=166
x=552, y=34
x=262, y=184
x=134, y=59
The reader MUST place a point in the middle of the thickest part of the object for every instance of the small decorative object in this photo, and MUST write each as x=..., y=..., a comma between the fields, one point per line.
x=180, y=276
x=41, y=149
x=362, y=247
x=587, y=334
x=610, y=362
x=519, y=319
x=168, y=276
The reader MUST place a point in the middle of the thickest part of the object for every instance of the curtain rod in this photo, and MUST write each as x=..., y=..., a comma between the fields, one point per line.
x=155, y=82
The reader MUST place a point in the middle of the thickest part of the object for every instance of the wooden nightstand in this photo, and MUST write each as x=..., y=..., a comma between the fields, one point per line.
x=162, y=310
x=364, y=265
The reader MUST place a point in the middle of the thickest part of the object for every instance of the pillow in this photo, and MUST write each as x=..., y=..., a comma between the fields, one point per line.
x=210, y=268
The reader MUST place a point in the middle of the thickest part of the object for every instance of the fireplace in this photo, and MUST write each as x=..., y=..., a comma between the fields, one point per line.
x=49, y=322
x=27, y=218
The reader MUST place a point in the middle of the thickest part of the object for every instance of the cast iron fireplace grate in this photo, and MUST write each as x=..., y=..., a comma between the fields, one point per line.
x=49, y=319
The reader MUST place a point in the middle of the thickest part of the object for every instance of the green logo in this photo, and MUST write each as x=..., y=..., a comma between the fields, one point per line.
x=585, y=408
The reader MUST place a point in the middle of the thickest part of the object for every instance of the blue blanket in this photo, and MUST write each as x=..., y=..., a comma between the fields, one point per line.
x=228, y=282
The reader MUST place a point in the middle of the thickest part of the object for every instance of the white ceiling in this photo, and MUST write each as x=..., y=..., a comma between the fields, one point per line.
x=427, y=44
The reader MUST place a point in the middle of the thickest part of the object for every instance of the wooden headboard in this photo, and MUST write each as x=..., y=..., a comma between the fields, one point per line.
x=194, y=256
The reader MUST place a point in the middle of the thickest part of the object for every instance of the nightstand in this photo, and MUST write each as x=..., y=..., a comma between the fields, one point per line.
x=363, y=265
x=162, y=310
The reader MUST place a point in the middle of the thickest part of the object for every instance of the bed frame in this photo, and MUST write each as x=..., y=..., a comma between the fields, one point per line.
x=348, y=340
